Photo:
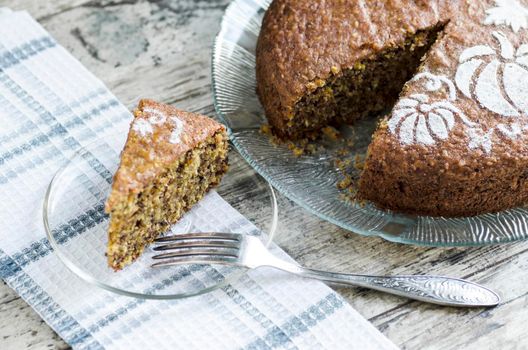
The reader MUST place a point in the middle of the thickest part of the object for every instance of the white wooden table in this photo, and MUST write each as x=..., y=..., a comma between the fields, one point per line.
x=162, y=49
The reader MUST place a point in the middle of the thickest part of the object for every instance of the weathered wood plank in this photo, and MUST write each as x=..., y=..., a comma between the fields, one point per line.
x=21, y=327
x=145, y=49
x=43, y=9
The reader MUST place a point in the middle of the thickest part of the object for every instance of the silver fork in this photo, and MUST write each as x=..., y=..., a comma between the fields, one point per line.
x=248, y=251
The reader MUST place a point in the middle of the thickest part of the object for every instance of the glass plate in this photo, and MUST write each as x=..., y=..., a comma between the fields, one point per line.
x=310, y=180
x=79, y=190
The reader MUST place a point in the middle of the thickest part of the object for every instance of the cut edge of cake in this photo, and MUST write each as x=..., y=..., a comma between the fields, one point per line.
x=456, y=142
x=371, y=86
x=171, y=159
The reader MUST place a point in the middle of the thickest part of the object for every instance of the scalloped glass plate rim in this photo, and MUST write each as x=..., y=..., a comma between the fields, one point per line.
x=369, y=233
x=87, y=277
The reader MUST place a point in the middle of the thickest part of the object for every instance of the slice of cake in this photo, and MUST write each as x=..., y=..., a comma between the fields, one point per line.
x=170, y=160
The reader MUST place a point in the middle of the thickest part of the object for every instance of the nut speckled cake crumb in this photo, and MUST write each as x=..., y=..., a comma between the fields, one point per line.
x=168, y=164
x=453, y=73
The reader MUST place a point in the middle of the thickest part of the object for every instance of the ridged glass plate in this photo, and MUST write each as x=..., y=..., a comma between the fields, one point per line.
x=76, y=225
x=311, y=180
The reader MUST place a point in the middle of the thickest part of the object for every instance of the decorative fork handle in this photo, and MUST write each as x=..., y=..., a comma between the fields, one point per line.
x=432, y=289
x=250, y=252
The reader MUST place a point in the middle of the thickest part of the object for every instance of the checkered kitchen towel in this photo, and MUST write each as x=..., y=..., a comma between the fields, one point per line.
x=50, y=106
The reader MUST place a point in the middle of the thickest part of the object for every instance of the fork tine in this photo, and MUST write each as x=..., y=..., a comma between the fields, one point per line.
x=201, y=235
x=199, y=259
x=199, y=243
x=210, y=251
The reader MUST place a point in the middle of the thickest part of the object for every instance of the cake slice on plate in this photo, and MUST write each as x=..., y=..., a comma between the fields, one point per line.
x=170, y=160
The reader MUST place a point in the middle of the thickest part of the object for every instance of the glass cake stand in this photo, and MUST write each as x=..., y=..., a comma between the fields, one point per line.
x=311, y=180
x=76, y=225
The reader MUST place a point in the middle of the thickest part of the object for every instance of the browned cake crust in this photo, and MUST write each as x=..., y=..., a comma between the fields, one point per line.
x=481, y=164
x=421, y=181
x=456, y=142
x=302, y=44
x=170, y=160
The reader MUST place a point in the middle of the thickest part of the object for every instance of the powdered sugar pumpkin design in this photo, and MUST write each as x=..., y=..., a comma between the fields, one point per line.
x=508, y=12
x=497, y=79
x=495, y=76
x=417, y=119
x=512, y=131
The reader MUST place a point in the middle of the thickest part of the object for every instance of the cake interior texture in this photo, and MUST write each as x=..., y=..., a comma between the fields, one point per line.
x=141, y=217
x=371, y=86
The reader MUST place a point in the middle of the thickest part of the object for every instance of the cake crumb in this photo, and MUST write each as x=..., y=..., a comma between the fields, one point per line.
x=331, y=133
x=342, y=152
x=345, y=183
x=297, y=151
x=359, y=162
x=266, y=129
x=305, y=146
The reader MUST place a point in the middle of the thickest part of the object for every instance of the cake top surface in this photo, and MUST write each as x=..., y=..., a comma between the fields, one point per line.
x=159, y=135
x=468, y=102
x=304, y=42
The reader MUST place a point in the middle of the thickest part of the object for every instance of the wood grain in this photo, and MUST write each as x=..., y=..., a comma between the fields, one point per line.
x=162, y=49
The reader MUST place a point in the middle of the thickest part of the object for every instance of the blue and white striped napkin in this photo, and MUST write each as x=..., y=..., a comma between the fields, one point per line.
x=50, y=106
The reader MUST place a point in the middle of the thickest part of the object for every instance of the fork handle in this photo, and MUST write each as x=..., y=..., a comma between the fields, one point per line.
x=432, y=289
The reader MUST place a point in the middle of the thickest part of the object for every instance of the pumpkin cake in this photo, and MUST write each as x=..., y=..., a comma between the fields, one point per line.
x=454, y=74
x=170, y=160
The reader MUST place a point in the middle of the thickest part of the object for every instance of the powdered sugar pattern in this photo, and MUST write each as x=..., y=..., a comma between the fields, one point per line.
x=488, y=92
x=142, y=127
x=501, y=86
x=435, y=82
x=512, y=131
x=479, y=139
x=145, y=127
x=479, y=50
x=417, y=120
x=496, y=76
x=178, y=129
x=157, y=117
x=508, y=12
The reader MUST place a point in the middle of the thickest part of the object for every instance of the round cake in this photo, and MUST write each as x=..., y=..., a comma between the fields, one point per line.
x=453, y=73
